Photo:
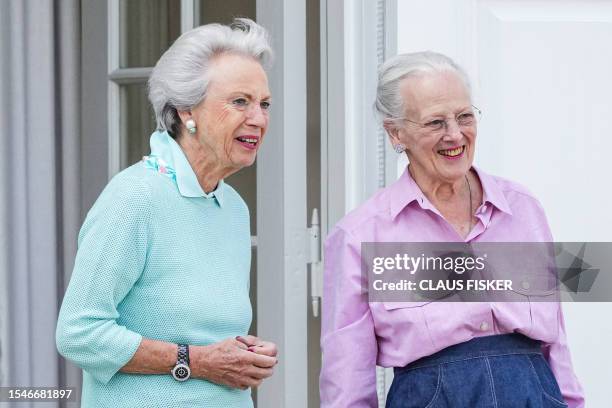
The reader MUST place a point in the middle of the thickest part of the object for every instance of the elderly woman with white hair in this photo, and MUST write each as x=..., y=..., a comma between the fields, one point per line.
x=444, y=354
x=157, y=309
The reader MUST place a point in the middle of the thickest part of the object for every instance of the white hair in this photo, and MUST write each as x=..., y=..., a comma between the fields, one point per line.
x=389, y=102
x=180, y=78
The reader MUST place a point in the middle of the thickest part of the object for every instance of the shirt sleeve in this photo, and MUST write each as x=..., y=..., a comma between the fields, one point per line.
x=348, y=342
x=111, y=256
x=557, y=354
x=560, y=361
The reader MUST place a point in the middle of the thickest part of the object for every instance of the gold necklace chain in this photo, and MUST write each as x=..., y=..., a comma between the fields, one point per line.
x=471, y=211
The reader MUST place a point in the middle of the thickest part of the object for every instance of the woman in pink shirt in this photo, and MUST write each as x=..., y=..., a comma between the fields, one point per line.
x=484, y=354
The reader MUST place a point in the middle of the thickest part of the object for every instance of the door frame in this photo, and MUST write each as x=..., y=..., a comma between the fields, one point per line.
x=362, y=36
x=282, y=213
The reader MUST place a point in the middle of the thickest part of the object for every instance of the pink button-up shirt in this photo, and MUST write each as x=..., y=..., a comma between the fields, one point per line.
x=357, y=335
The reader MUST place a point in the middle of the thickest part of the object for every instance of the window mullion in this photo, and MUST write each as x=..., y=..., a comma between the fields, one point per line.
x=187, y=15
x=114, y=127
x=123, y=76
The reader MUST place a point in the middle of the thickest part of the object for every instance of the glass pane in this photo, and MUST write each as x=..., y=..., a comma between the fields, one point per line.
x=137, y=123
x=245, y=183
x=147, y=28
x=214, y=11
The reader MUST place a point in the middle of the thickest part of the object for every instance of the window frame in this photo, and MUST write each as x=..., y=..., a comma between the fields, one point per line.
x=118, y=77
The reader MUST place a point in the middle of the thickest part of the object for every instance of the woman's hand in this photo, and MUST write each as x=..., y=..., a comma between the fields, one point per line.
x=255, y=344
x=230, y=363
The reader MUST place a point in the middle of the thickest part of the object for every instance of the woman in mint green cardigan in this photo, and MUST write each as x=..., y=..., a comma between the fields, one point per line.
x=157, y=309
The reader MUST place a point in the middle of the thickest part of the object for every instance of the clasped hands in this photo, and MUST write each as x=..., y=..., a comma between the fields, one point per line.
x=242, y=362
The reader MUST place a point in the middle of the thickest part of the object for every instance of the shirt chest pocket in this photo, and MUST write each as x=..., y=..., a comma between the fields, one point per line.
x=406, y=320
x=541, y=296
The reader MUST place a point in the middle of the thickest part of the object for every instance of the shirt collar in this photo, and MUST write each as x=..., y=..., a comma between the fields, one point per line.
x=405, y=191
x=165, y=147
x=492, y=193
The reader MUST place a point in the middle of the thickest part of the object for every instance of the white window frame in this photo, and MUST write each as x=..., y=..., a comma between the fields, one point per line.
x=118, y=76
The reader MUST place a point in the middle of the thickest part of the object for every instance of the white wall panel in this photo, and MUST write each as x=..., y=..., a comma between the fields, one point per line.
x=545, y=88
x=545, y=81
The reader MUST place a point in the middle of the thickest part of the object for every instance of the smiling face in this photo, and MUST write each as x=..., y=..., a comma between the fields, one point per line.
x=233, y=118
x=445, y=155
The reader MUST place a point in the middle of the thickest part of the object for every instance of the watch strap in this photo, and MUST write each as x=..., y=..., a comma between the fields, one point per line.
x=183, y=354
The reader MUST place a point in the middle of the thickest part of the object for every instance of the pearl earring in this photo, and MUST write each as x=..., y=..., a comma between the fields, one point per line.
x=399, y=148
x=191, y=126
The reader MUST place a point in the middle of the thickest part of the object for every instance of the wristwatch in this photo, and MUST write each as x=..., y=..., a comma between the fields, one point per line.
x=181, y=371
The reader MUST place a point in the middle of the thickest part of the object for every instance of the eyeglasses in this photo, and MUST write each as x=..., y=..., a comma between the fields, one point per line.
x=464, y=119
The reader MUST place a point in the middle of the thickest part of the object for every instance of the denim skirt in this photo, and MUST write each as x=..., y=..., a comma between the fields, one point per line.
x=500, y=371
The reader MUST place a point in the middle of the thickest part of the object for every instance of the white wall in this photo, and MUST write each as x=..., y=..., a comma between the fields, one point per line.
x=540, y=72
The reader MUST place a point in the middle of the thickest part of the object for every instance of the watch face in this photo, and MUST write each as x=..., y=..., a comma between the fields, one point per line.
x=181, y=372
